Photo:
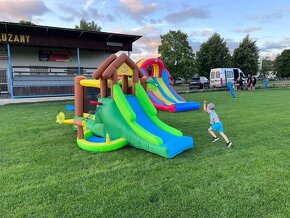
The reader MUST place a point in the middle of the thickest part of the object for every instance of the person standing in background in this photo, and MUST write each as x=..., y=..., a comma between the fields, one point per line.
x=249, y=82
x=254, y=80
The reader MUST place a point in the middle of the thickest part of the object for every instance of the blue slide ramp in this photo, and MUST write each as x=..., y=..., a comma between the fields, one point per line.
x=174, y=144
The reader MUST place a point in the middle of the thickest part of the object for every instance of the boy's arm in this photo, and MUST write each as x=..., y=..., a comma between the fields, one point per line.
x=204, y=106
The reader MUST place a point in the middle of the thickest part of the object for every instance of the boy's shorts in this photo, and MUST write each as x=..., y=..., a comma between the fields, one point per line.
x=218, y=127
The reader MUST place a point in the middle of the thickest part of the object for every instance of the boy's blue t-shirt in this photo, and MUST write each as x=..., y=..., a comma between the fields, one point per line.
x=214, y=118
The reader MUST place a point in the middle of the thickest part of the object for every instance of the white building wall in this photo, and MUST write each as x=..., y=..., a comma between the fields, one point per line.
x=93, y=58
x=28, y=56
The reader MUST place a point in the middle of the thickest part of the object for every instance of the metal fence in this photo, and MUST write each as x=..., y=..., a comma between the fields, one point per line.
x=51, y=71
x=46, y=81
x=3, y=81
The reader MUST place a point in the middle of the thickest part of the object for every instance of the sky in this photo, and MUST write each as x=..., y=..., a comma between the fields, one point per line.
x=266, y=21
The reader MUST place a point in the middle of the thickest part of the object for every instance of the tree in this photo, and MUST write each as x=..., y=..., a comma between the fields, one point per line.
x=177, y=54
x=89, y=26
x=267, y=66
x=246, y=56
x=24, y=22
x=212, y=54
x=282, y=64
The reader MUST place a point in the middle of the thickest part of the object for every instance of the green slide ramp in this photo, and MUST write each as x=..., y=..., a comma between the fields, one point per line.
x=109, y=115
x=119, y=120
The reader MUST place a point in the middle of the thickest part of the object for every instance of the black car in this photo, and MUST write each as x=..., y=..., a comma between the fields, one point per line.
x=198, y=83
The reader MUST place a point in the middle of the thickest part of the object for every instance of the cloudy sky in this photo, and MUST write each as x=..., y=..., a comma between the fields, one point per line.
x=266, y=21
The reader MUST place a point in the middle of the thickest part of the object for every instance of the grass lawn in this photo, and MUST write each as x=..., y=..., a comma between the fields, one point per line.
x=44, y=173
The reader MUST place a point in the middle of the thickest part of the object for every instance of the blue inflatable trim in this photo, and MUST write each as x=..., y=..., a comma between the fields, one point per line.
x=186, y=106
x=70, y=107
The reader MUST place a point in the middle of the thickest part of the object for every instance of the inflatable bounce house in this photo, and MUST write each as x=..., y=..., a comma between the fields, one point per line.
x=124, y=113
x=160, y=91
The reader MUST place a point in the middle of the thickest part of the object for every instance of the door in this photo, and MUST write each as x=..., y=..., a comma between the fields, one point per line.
x=229, y=77
x=212, y=79
x=217, y=79
x=236, y=74
x=3, y=81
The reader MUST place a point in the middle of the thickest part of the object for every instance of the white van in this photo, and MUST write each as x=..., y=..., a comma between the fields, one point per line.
x=219, y=77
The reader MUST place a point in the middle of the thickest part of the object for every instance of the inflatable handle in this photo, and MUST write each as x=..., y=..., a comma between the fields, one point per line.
x=96, y=103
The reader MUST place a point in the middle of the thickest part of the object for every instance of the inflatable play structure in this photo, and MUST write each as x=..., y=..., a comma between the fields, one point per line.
x=160, y=90
x=124, y=115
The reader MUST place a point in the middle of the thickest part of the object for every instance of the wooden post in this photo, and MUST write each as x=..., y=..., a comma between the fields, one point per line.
x=79, y=96
x=80, y=132
x=143, y=82
x=125, y=84
x=80, y=124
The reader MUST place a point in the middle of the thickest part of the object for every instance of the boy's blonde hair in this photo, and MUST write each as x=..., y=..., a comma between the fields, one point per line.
x=211, y=106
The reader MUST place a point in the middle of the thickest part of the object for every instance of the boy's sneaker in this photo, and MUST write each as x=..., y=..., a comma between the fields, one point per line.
x=229, y=144
x=215, y=139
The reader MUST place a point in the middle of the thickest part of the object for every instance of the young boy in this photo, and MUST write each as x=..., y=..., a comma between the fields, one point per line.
x=216, y=123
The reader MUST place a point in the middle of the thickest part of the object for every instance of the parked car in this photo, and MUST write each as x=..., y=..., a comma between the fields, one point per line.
x=198, y=83
x=178, y=81
x=219, y=77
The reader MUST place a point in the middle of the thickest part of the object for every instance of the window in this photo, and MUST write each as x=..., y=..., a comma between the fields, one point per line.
x=217, y=74
x=212, y=75
x=195, y=78
x=229, y=74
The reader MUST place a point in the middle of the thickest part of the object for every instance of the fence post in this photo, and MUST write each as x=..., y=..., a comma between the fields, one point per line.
x=79, y=62
x=10, y=71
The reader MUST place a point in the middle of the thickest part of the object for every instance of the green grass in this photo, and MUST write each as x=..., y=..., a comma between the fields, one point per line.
x=44, y=173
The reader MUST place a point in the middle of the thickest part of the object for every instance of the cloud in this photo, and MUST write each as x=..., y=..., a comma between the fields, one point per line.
x=203, y=32
x=88, y=13
x=16, y=10
x=268, y=16
x=278, y=45
x=194, y=44
x=88, y=3
x=155, y=21
x=146, y=29
x=68, y=13
x=147, y=46
x=232, y=44
x=137, y=9
x=186, y=14
x=140, y=53
x=269, y=55
x=247, y=30
x=149, y=41
x=137, y=6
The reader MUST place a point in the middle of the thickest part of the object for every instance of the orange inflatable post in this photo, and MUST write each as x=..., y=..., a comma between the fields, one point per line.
x=79, y=96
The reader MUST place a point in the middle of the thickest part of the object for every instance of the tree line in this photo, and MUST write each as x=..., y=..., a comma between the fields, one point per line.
x=180, y=59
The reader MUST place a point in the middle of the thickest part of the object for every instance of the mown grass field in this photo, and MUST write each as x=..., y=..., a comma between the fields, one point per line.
x=44, y=174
